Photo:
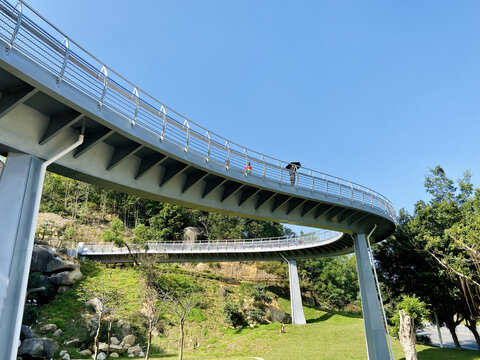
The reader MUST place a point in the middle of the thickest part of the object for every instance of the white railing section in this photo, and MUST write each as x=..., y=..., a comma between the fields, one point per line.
x=50, y=48
x=214, y=246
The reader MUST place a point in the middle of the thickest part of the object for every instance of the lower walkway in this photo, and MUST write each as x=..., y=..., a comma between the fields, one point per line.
x=465, y=336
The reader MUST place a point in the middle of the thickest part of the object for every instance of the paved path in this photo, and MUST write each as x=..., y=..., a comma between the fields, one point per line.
x=467, y=341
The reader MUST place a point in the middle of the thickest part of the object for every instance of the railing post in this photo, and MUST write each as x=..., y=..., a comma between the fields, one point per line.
x=207, y=159
x=137, y=101
x=15, y=31
x=188, y=135
x=65, y=62
x=351, y=189
x=164, y=117
x=105, y=85
x=313, y=180
x=264, y=167
x=281, y=172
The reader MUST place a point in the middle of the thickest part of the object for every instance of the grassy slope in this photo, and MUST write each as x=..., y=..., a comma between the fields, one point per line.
x=328, y=335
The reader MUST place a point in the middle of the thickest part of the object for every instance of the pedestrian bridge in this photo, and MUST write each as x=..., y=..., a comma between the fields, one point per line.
x=62, y=107
x=261, y=249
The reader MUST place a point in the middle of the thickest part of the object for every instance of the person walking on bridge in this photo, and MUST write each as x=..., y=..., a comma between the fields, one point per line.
x=247, y=170
x=292, y=169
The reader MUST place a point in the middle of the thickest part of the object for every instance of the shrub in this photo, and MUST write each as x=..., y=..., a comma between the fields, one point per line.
x=233, y=315
x=260, y=293
x=257, y=316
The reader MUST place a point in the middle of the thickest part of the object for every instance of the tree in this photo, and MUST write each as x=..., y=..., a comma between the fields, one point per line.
x=154, y=306
x=169, y=223
x=100, y=300
x=116, y=235
x=408, y=319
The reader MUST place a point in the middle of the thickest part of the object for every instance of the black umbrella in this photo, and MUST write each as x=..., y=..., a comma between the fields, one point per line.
x=293, y=164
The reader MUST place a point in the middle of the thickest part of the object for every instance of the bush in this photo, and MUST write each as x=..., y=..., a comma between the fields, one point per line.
x=257, y=316
x=260, y=293
x=233, y=315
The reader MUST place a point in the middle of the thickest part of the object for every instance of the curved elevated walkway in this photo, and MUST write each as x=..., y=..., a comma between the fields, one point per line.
x=136, y=144
x=262, y=249
x=56, y=97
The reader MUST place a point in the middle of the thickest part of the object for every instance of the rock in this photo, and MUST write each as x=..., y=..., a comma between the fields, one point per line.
x=46, y=261
x=102, y=346
x=49, y=328
x=114, y=341
x=118, y=349
x=114, y=355
x=129, y=340
x=276, y=315
x=73, y=343
x=66, y=357
x=62, y=289
x=125, y=346
x=191, y=234
x=26, y=333
x=202, y=267
x=57, y=333
x=124, y=327
x=131, y=355
x=141, y=354
x=101, y=356
x=66, y=277
x=63, y=352
x=134, y=350
x=86, y=352
x=38, y=348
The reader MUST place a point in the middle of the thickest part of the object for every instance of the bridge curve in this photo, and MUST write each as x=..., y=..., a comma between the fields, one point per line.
x=52, y=89
x=260, y=249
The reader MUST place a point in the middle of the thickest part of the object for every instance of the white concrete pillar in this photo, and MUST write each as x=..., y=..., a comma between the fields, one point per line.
x=298, y=317
x=377, y=346
x=18, y=187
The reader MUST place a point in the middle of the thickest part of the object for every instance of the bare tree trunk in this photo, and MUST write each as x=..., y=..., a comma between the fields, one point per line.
x=109, y=337
x=407, y=336
x=472, y=326
x=451, y=327
x=149, y=341
x=182, y=334
x=95, y=340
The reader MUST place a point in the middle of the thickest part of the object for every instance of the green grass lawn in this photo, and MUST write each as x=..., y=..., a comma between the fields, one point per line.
x=328, y=335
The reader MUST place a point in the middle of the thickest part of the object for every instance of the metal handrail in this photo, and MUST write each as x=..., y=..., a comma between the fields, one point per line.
x=71, y=63
x=214, y=246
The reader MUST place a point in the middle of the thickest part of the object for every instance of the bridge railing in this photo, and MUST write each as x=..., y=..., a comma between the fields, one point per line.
x=213, y=246
x=28, y=32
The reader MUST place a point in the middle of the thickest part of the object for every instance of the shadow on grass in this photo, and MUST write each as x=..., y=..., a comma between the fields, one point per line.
x=324, y=317
x=446, y=354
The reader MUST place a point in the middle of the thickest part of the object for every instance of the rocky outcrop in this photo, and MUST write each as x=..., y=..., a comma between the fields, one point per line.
x=41, y=348
x=86, y=352
x=73, y=343
x=45, y=260
x=276, y=315
x=66, y=277
x=26, y=333
x=191, y=234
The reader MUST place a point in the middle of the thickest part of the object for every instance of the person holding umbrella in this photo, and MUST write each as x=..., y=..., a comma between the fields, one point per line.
x=292, y=169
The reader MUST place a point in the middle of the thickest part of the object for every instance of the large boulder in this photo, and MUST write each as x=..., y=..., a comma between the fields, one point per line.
x=276, y=315
x=114, y=341
x=26, y=333
x=103, y=346
x=129, y=340
x=40, y=348
x=47, y=261
x=101, y=356
x=66, y=277
x=191, y=234
x=114, y=355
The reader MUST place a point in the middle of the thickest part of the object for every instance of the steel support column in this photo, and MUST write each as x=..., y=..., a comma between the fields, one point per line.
x=377, y=347
x=18, y=190
x=298, y=317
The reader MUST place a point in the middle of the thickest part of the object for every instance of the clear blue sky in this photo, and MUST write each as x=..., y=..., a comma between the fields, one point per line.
x=373, y=91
